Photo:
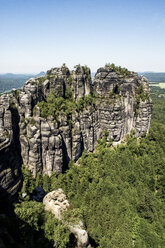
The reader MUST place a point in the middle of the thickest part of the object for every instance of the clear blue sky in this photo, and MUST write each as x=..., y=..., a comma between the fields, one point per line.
x=36, y=35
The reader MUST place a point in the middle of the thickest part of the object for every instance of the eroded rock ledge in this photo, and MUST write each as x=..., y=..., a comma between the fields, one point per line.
x=83, y=111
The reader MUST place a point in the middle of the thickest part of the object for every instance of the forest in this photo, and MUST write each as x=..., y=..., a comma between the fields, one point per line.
x=117, y=191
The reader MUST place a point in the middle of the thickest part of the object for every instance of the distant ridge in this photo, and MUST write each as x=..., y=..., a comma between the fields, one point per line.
x=11, y=80
x=20, y=75
x=154, y=76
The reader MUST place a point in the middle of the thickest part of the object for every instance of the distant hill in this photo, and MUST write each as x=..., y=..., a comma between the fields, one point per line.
x=42, y=73
x=9, y=81
x=154, y=76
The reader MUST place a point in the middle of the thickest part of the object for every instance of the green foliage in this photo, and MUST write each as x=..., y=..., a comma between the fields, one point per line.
x=6, y=133
x=135, y=227
x=106, y=133
x=53, y=105
x=89, y=100
x=82, y=103
x=49, y=76
x=140, y=95
x=86, y=69
x=158, y=104
x=68, y=93
x=114, y=94
x=40, y=228
x=30, y=212
x=72, y=216
x=46, y=183
x=32, y=122
x=70, y=80
x=28, y=183
x=119, y=191
x=41, y=80
x=123, y=71
x=44, y=108
x=77, y=66
x=39, y=180
x=56, y=231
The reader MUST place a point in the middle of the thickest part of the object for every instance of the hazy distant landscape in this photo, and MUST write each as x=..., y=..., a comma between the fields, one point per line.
x=154, y=76
x=9, y=81
x=158, y=84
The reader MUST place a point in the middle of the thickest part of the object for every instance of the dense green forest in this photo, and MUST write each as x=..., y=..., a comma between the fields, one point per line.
x=117, y=191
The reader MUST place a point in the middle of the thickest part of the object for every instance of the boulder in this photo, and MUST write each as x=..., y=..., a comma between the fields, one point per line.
x=57, y=203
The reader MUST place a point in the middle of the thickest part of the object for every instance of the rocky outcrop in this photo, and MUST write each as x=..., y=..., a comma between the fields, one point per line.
x=112, y=102
x=57, y=203
x=10, y=159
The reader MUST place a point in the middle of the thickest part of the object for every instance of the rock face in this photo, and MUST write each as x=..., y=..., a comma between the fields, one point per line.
x=10, y=159
x=110, y=103
x=57, y=203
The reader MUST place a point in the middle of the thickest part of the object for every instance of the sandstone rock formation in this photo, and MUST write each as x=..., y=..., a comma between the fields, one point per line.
x=10, y=160
x=111, y=103
x=57, y=203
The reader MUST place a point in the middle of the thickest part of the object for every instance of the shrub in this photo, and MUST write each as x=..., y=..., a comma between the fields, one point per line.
x=123, y=71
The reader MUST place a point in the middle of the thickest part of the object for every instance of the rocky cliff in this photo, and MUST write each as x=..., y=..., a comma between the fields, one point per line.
x=55, y=117
x=10, y=153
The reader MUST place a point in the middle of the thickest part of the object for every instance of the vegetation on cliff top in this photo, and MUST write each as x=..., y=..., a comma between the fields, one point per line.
x=53, y=105
x=122, y=70
x=141, y=95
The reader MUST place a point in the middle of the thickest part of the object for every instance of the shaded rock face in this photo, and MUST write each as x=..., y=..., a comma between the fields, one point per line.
x=122, y=103
x=38, y=194
x=10, y=158
x=57, y=203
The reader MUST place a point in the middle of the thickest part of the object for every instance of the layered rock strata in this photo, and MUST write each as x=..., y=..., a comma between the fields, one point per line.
x=10, y=158
x=109, y=103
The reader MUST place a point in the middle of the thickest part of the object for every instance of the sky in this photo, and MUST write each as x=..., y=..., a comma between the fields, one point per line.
x=36, y=35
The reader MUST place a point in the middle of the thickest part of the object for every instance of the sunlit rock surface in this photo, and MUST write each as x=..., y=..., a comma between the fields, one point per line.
x=122, y=104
